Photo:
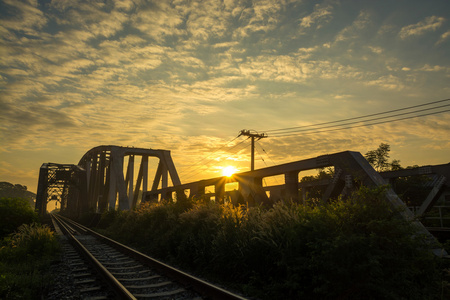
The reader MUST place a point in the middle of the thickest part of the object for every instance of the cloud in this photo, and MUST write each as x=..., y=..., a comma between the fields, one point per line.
x=431, y=23
x=151, y=73
x=444, y=37
x=376, y=50
x=26, y=17
x=322, y=14
x=354, y=30
x=389, y=82
x=158, y=20
x=261, y=17
x=436, y=68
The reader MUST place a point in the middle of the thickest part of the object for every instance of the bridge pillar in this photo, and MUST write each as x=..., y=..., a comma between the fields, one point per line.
x=130, y=178
x=41, y=196
x=291, y=185
x=219, y=190
x=252, y=190
x=197, y=191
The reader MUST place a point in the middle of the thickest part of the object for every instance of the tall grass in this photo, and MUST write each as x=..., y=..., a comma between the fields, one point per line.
x=353, y=249
x=24, y=259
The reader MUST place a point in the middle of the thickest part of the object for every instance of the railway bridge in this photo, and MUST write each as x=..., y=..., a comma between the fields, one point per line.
x=104, y=179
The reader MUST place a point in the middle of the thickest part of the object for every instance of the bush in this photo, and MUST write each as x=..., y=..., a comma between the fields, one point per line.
x=24, y=261
x=13, y=213
x=34, y=240
x=353, y=249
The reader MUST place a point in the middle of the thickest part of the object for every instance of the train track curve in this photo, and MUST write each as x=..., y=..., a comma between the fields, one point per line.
x=131, y=274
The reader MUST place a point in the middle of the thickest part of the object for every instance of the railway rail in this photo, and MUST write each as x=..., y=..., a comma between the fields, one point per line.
x=128, y=274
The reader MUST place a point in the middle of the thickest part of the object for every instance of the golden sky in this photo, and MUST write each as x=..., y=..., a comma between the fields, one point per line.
x=187, y=76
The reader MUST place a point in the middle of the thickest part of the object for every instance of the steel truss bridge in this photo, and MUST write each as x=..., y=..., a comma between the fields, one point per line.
x=105, y=179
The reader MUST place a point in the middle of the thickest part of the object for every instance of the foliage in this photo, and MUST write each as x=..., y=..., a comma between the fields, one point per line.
x=9, y=190
x=379, y=158
x=34, y=240
x=355, y=249
x=24, y=259
x=13, y=213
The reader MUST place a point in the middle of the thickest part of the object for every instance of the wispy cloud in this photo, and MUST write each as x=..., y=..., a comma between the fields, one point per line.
x=354, y=30
x=445, y=36
x=431, y=23
x=321, y=15
x=151, y=73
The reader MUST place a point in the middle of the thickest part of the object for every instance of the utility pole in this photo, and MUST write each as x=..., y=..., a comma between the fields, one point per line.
x=253, y=135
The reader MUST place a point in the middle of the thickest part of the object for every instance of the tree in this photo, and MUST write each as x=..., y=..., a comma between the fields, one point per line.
x=10, y=190
x=379, y=159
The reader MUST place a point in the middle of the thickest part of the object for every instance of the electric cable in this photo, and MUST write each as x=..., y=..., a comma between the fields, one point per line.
x=360, y=117
x=259, y=144
x=361, y=125
x=318, y=130
x=374, y=119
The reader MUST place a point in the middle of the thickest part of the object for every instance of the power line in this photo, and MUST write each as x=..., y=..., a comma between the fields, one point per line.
x=357, y=118
x=259, y=144
x=320, y=128
x=361, y=125
x=369, y=120
x=254, y=136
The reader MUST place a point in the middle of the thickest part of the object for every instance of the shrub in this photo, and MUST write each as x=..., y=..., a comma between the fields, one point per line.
x=34, y=240
x=13, y=213
x=24, y=261
x=353, y=249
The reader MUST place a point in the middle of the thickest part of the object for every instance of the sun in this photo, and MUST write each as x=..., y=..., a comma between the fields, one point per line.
x=228, y=171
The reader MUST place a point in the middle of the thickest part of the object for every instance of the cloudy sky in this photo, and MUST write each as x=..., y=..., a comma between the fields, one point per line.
x=187, y=76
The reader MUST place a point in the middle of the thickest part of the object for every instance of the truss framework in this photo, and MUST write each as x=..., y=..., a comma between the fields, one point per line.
x=108, y=187
x=100, y=182
x=351, y=171
x=65, y=183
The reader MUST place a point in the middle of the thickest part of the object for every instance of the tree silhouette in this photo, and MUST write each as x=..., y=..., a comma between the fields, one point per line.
x=379, y=159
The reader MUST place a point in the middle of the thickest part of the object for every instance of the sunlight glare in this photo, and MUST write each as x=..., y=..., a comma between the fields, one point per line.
x=228, y=171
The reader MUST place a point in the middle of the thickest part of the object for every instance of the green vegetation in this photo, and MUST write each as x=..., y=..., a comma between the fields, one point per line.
x=379, y=157
x=354, y=249
x=9, y=190
x=27, y=250
x=13, y=213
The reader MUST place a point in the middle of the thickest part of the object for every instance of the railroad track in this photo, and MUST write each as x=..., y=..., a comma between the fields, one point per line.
x=127, y=272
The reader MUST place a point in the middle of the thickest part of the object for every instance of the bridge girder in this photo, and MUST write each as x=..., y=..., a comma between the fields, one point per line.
x=351, y=170
x=107, y=185
x=65, y=183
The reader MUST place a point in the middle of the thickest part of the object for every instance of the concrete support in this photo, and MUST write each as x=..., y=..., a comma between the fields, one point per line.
x=432, y=196
x=291, y=185
x=164, y=175
x=100, y=185
x=120, y=181
x=219, y=190
x=144, y=164
x=92, y=198
x=196, y=191
x=112, y=191
x=41, y=196
x=130, y=176
x=334, y=187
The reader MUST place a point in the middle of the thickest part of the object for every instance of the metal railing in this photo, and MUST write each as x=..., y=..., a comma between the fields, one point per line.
x=438, y=212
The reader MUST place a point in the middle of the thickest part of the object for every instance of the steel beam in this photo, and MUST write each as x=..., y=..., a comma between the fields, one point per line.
x=432, y=196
